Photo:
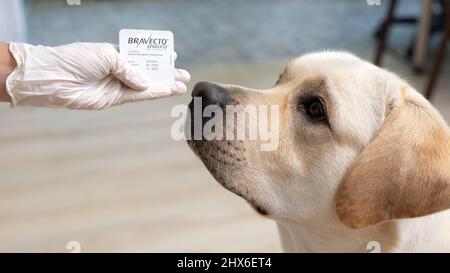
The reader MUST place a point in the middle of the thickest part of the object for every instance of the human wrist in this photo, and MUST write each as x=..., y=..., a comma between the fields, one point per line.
x=7, y=66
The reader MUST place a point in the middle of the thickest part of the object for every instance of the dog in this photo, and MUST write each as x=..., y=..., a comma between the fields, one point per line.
x=363, y=159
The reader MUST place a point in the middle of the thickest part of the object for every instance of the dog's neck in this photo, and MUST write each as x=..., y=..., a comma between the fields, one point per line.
x=425, y=234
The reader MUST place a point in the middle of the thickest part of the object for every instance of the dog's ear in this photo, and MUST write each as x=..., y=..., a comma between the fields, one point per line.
x=404, y=172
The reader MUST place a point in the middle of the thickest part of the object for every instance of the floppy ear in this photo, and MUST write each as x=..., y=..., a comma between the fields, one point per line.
x=404, y=172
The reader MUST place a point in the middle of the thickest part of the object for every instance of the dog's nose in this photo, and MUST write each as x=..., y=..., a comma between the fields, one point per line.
x=211, y=94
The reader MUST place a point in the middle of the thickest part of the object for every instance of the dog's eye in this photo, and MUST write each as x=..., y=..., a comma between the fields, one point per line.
x=314, y=109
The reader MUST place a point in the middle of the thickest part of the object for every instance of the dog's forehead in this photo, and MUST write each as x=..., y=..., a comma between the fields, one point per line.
x=345, y=74
x=326, y=63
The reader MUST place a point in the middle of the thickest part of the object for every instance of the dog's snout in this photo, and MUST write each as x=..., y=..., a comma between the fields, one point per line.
x=211, y=94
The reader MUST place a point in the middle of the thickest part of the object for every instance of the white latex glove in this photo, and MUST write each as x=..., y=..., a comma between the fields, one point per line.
x=81, y=76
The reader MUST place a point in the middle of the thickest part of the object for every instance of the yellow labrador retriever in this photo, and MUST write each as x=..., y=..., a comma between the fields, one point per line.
x=362, y=158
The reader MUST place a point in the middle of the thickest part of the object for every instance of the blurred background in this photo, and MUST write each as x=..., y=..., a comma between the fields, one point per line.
x=115, y=180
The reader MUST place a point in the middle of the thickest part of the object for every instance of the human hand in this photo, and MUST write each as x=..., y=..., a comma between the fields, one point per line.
x=81, y=76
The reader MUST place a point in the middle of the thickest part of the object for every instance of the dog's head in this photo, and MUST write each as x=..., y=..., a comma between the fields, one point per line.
x=354, y=140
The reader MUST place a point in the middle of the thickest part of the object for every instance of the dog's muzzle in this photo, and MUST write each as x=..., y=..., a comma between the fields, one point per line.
x=217, y=155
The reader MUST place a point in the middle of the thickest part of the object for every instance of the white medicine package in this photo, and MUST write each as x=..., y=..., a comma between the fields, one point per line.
x=152, y=51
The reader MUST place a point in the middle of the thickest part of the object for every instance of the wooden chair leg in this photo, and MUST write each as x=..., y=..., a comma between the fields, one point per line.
x=441, y=53
x=384, y=32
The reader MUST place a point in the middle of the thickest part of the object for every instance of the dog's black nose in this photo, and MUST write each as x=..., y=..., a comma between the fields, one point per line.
x=206, y=94
x=211, y=94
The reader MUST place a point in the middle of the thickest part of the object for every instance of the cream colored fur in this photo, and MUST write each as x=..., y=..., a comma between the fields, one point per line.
x=380, y=172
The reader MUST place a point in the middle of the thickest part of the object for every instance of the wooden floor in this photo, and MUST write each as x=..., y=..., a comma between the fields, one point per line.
x=116, y=181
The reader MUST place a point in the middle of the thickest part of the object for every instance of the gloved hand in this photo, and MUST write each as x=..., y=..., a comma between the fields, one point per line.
x=81, y=76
